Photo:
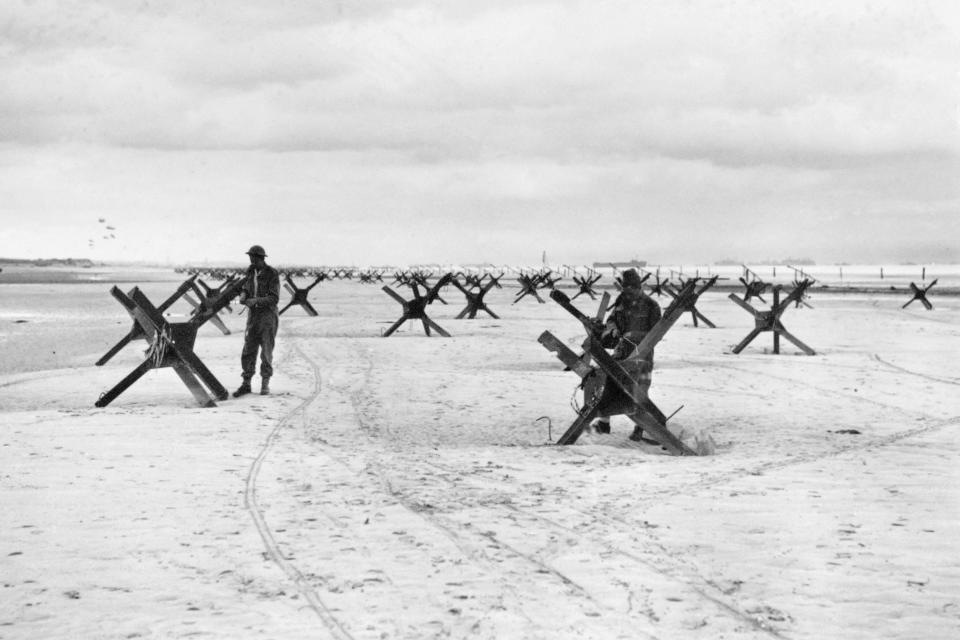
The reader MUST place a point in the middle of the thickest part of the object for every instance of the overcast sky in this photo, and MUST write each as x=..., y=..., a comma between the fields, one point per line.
x=398, y=132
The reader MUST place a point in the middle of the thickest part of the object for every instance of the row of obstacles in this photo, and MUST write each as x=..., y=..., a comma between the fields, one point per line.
x=531, y=282
x=171, y=344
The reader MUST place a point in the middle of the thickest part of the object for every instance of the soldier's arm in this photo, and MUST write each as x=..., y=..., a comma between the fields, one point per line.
x=655, y=314
x=272, y=295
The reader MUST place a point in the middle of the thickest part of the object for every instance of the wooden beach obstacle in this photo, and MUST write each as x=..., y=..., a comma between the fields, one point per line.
x=416, y=309
x=136, y=330
x=754, y=286
x=370, y=276
x=531, y=283
x=799, y=273
x=208, y=297
x=595, y=330
x=690, y=303
x=528, y=287
x=921, y=295
x=299, y=295
x=657, y=287
x=474, y=293
x=172, y=345
x=422, y=278
x=586, y=285
x=770, y=320
x=608, y=388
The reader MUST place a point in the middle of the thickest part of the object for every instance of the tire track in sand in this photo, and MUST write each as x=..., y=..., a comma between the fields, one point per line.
x=474, y=542
x=253, y=507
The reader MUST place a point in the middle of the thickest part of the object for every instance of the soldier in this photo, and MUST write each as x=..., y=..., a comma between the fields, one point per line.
x=633, y=315
x=260, y=294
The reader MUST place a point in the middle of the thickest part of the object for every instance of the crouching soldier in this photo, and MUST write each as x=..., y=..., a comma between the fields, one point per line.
x=260, y=294
x=634, y=314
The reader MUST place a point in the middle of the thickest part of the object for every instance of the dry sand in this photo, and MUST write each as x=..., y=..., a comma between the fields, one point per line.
x=405, y=488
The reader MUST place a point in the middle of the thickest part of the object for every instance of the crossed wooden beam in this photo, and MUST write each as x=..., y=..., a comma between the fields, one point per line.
x=528, y=287
x=921, y=295
x=208, y=297
x=657, y=287
x=474, y=293
x=416, y=309
x=136, y=331
x=299, y=295
x=691, y=303
x=608, y=388
x=754, y=289
x=595, y=330
x=770, y=320
x=171, y=345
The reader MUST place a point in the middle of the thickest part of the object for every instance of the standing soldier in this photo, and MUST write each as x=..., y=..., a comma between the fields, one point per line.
x=634, y=314
x=260, y=294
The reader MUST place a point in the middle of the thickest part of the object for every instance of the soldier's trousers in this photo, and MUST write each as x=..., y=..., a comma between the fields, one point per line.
x=260, y=335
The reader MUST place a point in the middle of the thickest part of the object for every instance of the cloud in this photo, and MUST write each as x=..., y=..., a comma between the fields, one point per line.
x=531, y=115
x=779, y=83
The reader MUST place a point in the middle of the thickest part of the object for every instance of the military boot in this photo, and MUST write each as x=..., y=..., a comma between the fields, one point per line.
x=243, y=389
x=265, y=387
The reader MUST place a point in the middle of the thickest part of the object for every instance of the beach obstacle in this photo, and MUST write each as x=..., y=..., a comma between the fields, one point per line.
x=494, y=279
x=528, y=287
x=531, y=283
x=416, y=309
x=595, y=330
x=608, y=387
x=690, y=303
x=657, y=287
x=421, y=278
x=921, y=295
x=474, y=293
x=585, y=285
x=299, y=295
x=171, y=345
x=207, y=298
x=136, y=331
x=753, y=285
x=770, y=320
x=370, y=276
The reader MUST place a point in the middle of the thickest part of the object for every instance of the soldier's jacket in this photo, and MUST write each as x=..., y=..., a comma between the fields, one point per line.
x=263, y=288
x=632, y=317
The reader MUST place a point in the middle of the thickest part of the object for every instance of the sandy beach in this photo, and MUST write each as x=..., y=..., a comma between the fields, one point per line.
x=408, y=487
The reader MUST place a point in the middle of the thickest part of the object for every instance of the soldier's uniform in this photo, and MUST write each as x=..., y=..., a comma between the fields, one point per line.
x=261, y=295
x=634, y=314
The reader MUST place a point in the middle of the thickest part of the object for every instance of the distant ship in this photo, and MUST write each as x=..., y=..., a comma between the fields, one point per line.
x=621, y=265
